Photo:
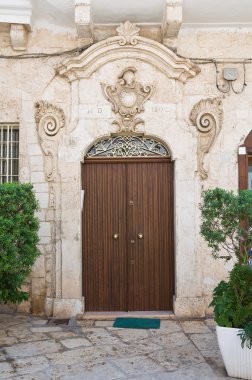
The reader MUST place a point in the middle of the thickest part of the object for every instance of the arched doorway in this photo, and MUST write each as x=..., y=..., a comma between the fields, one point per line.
x=245, y=163
x=128, y=227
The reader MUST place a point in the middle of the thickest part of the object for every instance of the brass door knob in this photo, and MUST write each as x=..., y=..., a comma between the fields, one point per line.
x=115, y=236
x=140, y=235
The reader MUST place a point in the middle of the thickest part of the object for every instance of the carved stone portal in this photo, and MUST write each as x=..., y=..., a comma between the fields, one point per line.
x=207, y=116
x=127, y=97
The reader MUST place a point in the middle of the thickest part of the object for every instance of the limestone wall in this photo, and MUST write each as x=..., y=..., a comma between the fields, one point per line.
x=57, y=276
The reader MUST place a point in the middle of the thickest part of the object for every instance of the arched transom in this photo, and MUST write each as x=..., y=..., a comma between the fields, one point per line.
x=128, y=146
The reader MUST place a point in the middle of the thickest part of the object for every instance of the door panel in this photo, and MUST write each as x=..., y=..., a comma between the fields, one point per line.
x=150, y=212
x=104, y=259
x=129, y=273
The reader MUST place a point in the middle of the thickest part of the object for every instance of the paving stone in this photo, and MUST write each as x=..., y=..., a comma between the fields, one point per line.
x=195, y=327
x=30, y=365
x=211, y=353
x=45, y=329
x=22, y=317
x=64, y=371
x=154, y=376
x=198, y=372
x=100, y=336
x=75, y=342
x=113, y=328
x=2, y=357
x=217, y=366
x=104, y=323
x=7, y=340
x=34, y=376
x=18, y=332
x=205, y=341
x=169, y=326
x=172, y=340
x=143, y=347
x=9, y=324
x=104, y=371
x=32, y=338
x=112, y=353
x=6, y=370
x=137, y=365
x=63, y=334
x=81, y=355
x=130, y=335
x=39, y=322
x=32, y=349
x=4, y=316
x=131, y=349
x=178, y=357
x=86, y=323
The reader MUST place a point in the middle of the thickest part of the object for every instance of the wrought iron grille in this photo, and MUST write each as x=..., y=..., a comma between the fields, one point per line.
x=9, y=152
x=128, y=146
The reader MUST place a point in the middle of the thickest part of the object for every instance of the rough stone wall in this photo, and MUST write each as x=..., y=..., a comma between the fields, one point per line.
x=167, y=115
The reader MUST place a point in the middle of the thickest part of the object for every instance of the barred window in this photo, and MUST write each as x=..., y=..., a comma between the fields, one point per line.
x=9, y=152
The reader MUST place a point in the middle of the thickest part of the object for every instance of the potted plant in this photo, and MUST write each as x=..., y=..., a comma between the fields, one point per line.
x=227, y=228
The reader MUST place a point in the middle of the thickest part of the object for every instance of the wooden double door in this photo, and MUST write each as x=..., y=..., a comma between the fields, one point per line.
x=128, y=260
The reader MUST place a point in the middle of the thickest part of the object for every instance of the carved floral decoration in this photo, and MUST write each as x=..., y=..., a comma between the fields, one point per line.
x=127, y=97
x=128, y=33
x=207, y=116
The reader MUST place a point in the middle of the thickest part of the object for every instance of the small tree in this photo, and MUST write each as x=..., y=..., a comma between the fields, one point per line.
x=227, y=223
x=227, y=228
x=18, y=239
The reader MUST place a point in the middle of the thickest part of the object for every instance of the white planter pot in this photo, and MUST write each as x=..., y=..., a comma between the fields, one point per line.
x=237, y=360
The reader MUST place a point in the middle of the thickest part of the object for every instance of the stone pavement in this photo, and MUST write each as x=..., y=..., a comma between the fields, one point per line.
x=32, y=348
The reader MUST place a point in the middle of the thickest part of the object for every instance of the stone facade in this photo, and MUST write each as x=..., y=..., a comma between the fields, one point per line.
x=61, y=110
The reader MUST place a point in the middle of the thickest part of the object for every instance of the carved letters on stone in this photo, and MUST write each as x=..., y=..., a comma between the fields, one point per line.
x=49, y=120
x=207, y=116
x=127, y=97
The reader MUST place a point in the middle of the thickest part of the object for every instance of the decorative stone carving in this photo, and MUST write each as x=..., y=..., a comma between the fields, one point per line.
x=49, y=119
x=128, y=44
x=52, y=196
x=128, y=33
x=127, y=97
x=207, y=116
x=49, y=149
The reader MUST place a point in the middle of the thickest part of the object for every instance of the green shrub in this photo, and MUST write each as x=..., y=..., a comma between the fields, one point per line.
x=18, y=239
x=232, y=302
x=227, y=223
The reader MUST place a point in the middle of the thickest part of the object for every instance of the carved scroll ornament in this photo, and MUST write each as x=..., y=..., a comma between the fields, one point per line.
x=127, y=97
x=49, y=120
x=207, y=116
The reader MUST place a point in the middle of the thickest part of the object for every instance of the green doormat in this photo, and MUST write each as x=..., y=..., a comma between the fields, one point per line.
x=137, y=323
